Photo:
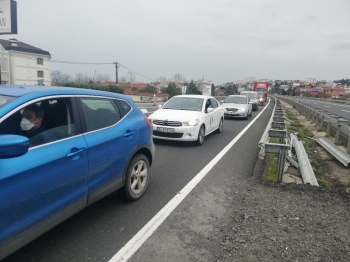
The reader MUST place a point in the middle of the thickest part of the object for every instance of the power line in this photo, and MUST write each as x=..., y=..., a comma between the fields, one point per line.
x=83, y=63
x=136, y=72
x=79, y=63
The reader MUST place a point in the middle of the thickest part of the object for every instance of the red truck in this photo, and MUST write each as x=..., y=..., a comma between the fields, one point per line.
x=262, y=87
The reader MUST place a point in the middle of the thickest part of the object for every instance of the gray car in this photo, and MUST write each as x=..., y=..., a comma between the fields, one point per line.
x=237, y=106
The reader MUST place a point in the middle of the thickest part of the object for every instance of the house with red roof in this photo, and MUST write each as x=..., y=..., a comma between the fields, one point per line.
x=139, y=92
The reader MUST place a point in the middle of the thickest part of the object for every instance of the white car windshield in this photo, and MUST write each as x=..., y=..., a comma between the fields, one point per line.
x=236, y=100
x=250, y=95
x=184, y=103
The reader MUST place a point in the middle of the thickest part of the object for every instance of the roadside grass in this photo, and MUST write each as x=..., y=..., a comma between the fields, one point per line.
x=271, y=168
x=322, y=180
x=303, y=134
x=274, y=140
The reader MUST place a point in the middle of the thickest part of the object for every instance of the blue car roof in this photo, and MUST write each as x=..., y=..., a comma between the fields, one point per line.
x=18, y=91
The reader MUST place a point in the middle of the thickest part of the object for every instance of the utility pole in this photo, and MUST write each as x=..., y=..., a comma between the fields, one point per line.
x=116, y=73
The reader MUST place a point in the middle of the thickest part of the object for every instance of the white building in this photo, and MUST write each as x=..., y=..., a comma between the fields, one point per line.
x=204, y=86
x=26, y=64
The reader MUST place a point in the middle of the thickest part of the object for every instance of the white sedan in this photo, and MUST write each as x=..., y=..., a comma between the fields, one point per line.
x=188, y=118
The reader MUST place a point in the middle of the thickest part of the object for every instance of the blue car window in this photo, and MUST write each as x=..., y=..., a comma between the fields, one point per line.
x=42, y=122
x=99, y=113
x=125, y=106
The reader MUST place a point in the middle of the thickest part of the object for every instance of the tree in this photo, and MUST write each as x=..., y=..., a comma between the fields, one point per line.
x=149, y=89
x=193, y=89
x=58, y=78
x=172, y=90
x=161, y=79
x=307, y=94
x=81, y=78
x=231, y=90
x=179, y=78
x=102, y=78
x=130, y=77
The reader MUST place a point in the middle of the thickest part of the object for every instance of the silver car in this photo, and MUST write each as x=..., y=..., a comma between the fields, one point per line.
x=237, y=106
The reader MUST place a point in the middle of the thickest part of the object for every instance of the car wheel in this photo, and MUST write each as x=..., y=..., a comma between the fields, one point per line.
x=221, y=125
x=136, y=178
x=250, y=113
x=201, y=135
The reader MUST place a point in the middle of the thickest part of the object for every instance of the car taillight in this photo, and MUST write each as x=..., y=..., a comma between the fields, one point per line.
x=149, y=122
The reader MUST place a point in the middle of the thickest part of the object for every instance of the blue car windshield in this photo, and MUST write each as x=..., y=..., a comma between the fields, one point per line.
x=5, y=100
x=184, y=103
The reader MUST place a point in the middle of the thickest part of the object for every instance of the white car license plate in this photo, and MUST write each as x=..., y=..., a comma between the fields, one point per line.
x=166, y=130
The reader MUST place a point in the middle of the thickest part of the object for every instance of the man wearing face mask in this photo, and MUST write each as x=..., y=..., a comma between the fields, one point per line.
x=32, y=127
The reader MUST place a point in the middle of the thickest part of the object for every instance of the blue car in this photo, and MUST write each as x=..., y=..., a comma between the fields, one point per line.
x=62, y=149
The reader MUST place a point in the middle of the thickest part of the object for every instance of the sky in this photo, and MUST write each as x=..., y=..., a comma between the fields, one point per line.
x=218, y=40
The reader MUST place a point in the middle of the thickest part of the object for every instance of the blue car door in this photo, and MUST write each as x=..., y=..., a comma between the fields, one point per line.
x=111, y=138
x=49, y=183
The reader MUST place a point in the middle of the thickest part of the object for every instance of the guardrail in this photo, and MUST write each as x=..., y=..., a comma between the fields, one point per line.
x=276, y=128
x=340, y=127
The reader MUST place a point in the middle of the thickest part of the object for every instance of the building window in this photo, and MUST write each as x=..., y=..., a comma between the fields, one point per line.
x=28, y=74
x=40, y=73
x=40, y=61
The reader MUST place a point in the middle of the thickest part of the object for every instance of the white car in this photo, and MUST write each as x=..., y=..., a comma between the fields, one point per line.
x=238, y=106
x=188, y=118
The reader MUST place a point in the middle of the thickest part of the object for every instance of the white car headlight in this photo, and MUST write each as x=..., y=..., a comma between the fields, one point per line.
x=191, y=122
x=242, y=109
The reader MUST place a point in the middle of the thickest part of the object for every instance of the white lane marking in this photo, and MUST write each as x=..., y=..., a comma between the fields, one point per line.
x=346, y=111
x=135, y=243
x=327, y=106
x=144, y=110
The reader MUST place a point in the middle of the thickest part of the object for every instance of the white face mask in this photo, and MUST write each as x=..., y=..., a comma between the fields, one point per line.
x=26, y=124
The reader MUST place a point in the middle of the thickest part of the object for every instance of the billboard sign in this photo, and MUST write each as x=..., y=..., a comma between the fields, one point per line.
x=8, y=17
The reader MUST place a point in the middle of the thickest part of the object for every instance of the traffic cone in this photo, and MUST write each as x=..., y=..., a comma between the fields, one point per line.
x=154, y=100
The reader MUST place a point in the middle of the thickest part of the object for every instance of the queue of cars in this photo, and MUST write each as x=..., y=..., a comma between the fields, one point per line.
x=91, y=143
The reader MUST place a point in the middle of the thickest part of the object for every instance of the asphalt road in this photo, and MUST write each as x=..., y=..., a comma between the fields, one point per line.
x=336, y=109
x=100, y=231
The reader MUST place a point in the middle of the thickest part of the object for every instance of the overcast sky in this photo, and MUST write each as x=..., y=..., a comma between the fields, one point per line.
x=222, y=40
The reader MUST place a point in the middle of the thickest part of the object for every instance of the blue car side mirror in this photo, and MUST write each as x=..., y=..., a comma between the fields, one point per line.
x=13, y=146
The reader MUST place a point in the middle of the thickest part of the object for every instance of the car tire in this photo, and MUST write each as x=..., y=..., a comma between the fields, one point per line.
x=221, y=125
x=201, y=136
x=251, y=113
x=136, y=178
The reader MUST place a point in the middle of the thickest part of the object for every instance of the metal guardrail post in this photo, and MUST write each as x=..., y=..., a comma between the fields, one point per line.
x=329, y=121
x=280, y=134
x=340, y=123
x=281, y=151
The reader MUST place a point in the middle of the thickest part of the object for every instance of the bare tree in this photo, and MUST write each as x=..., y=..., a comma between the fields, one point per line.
x=130, y=77
x=122, y=79
x=179, y=78
x=162, y=79
x=81, y=78
x=58, y=78
x=102, y=78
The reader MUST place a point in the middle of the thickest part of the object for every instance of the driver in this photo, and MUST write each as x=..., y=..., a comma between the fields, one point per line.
x=31, y=125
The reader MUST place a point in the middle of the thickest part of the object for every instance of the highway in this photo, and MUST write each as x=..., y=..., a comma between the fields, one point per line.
x=100, y=231
x=336, y=109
